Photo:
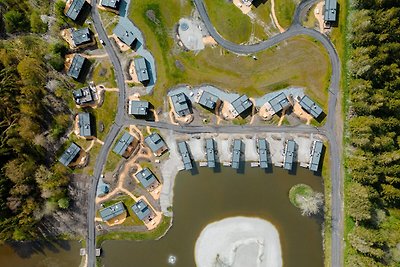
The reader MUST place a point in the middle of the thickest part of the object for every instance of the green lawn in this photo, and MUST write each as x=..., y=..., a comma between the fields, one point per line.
x=307, y=65
x=311, y=20
x=105, y=114
x=93, y=153
x=284, y=10
x=229, y=21
x=263, y=12
x=103, y=73
x=299, y=190
x=150, y=235
x=112, y=161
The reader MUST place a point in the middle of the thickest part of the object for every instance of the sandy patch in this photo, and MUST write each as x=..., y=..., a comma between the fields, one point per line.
x=239, y=241
x=208, y=40
x=122, y=47
x=318, y=13
x=274, y=18
x=299, y=112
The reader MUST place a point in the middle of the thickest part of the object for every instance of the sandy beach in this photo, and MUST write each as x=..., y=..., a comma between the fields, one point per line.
x=239, y=241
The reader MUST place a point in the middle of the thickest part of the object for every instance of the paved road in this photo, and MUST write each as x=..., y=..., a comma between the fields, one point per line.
x=115, y=129
x=330, y=129
x=334, y=122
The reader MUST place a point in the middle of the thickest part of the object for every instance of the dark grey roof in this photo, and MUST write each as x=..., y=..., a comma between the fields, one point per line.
x=310, y=106
x=85, y=126
x=123, y=32
x=76, y=66
x=262, y=151
x=82, y=95
x=154, y=142
x=70, y=154
x=137, y=107
x=110, y=3
x=180, y=103
x=316, y=154
x=241, y=104
x=330, y=10
x=112, y=211
x=210, y=148
x=183, y=149
x=208, y=100
x=141, y=209
x=146, y=177
x=81, y=36
x=237, y=149
x=279, y=102
x=289, y=155
x=75, y=8
x=141, y=69
x=123, y=143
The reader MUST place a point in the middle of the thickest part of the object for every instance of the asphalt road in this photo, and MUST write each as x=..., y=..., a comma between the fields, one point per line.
x=331, y=129
x=115, y=129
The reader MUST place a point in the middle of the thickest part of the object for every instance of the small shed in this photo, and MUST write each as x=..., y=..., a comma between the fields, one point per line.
x=236, y=153
x=123, y=33
x=241, y=104
x=147, y=179
x=289, y=155
x=70, y=154
x=187, y=161
x=76, y=66
x=125, y=145
x=181, y=105
x=156, y=144
x=316, y=154
x=85, y=124
x=262, y=151
x=210, y=148
x=141, y=69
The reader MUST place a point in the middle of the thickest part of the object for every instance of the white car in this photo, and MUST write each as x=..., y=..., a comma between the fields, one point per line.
x=102, y=42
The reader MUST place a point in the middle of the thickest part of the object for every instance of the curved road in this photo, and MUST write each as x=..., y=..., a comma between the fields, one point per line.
x=331, y=128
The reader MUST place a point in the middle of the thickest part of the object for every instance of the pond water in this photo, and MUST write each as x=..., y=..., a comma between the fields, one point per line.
x=209, y=196
x=40, y=254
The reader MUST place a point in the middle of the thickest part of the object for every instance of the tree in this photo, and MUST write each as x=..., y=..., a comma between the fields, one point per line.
x=16, y=21
x=37, y=25
x=367, y=241
x=310, y=204
x=358, y=203
x=63, y=203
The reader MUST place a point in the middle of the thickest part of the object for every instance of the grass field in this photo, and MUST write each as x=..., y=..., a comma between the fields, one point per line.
x=103, y=73
x=229, y=21
x=307, y=65
x=94, y=151
x=105, y=114
x=151, y=235
x=284, y=10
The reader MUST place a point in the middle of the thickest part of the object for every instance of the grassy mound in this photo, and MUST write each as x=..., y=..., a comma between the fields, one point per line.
x=299, y=190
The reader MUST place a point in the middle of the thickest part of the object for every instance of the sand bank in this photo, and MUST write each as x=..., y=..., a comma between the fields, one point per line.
x=239, y=241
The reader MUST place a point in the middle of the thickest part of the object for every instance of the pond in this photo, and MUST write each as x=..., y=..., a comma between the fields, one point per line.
x=210, y=196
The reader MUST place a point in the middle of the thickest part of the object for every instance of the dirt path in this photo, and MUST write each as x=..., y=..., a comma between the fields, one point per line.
x=274, y=17
x=96, y=56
